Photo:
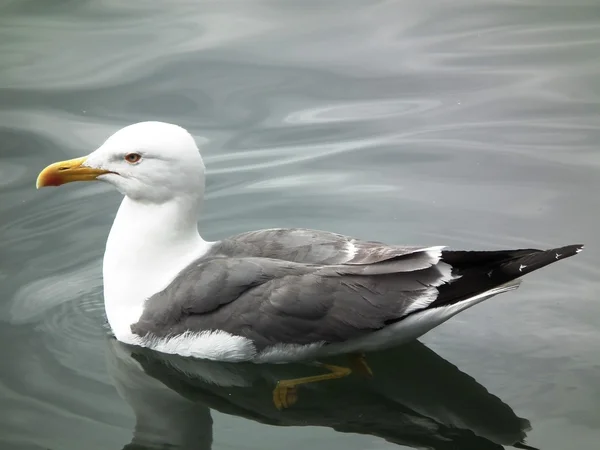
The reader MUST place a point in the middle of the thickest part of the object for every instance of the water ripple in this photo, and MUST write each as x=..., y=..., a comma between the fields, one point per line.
x=361, y=111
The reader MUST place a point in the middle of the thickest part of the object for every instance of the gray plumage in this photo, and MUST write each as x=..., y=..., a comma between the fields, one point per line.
x=293, y=287
x=309, y=246
x=296, y=286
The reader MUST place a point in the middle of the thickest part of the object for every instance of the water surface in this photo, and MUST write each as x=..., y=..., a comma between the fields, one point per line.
x=469, y=124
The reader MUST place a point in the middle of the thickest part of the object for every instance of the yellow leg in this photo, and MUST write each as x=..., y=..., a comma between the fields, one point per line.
x=285, y=395
x=358, y=363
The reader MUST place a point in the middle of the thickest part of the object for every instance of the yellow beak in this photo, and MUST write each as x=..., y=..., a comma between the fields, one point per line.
x=66, y=172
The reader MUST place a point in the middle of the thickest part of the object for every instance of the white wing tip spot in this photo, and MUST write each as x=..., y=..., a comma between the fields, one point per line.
x=579, y=250
x=521, y=267
x=558, y=255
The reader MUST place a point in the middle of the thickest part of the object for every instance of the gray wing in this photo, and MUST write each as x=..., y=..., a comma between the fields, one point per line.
x=311, y=246
x=272, y=301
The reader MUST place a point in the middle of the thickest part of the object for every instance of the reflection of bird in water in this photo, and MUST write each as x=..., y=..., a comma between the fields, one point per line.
x=418, y=399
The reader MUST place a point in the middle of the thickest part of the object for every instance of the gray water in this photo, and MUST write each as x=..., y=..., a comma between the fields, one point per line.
x=472, y=124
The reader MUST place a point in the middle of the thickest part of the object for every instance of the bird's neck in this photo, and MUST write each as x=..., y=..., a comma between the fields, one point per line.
x=147, y=246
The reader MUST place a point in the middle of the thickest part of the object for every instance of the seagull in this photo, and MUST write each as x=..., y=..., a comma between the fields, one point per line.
x=272, y=295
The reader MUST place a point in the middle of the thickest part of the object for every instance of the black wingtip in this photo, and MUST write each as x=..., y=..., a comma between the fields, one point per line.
x=563, y=252
x=480, y=271
x=570, y=250
x=530, y=261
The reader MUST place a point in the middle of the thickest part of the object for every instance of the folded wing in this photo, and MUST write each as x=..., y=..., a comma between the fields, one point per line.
x=272, y=301
x=276, y=301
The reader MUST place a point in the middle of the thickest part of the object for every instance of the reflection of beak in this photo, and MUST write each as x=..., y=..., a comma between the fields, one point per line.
x=67, y=171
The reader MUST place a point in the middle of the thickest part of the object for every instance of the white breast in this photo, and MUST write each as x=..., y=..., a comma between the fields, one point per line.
x=145, y=251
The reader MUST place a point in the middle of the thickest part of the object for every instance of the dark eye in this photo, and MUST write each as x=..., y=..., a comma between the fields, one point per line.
x=132, y=158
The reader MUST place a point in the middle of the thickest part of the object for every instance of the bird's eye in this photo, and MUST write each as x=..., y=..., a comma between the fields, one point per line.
x=133, y=158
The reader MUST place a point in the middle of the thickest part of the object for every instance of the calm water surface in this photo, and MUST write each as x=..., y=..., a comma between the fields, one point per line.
x=473, y=124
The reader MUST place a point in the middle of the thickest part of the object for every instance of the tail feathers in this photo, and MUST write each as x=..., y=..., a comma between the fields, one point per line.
x=479, y=272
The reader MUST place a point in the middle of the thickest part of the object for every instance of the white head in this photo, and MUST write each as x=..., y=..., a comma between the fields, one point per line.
x=149, y=162
x=158, y=167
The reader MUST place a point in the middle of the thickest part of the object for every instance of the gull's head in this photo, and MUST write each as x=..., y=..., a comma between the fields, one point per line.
x=149, y=161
